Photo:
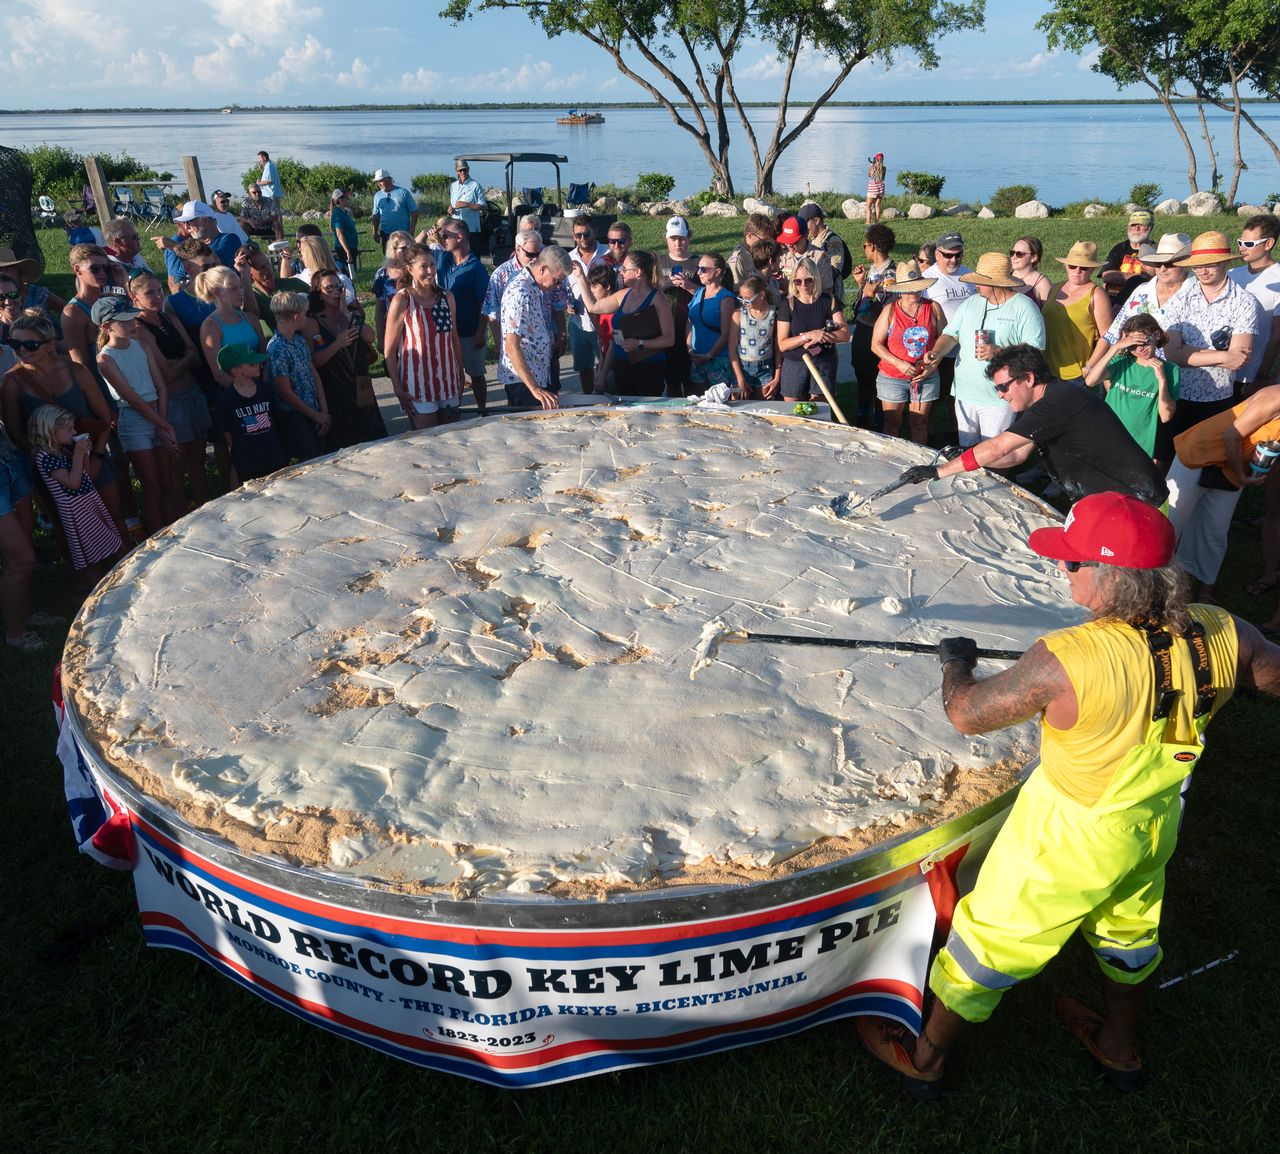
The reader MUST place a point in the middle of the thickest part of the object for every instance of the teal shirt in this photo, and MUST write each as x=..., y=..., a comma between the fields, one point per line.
x=1016, y=322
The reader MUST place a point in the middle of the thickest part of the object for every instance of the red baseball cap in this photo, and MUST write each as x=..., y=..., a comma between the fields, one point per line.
x=1112, y=529
x=791, y=231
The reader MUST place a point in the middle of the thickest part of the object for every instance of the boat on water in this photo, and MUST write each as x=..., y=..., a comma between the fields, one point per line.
x=573, y=116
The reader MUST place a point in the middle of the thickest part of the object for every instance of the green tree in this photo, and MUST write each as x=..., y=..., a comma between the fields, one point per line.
x=1140, y=42
x=683, y=53
x=1237, y=43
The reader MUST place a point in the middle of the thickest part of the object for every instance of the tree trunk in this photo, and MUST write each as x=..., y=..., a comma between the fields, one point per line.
x=1249, y=120
x=1238, y=163
x=1182, y=133
x=1215, y=177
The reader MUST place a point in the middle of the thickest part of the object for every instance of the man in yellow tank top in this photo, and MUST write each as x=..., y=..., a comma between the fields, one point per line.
x=1123, y=700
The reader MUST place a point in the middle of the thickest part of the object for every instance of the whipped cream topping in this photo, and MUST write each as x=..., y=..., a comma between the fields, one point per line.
x=465, y=657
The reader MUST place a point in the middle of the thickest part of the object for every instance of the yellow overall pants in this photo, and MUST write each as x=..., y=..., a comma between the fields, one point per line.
x=1057, y=865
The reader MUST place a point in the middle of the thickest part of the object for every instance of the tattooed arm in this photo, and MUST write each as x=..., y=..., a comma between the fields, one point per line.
x=1037, y=683
x=1258, y=663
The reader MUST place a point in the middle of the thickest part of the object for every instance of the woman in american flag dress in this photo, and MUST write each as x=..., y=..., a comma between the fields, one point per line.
x=424, y=354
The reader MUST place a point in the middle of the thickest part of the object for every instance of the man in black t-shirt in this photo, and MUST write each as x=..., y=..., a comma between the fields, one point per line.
x=1123, y=271
x=1085, y=447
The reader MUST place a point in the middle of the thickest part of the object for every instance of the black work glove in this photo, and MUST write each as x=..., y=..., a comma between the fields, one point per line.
x=918, y=473
x=950, y=452
x=958, y=649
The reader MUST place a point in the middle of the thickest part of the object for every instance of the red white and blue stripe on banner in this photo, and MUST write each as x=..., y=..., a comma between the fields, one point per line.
x=556, y=1061
x=193, y=903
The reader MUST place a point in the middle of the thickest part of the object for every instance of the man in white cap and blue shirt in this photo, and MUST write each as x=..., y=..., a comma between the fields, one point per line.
x=394, y=209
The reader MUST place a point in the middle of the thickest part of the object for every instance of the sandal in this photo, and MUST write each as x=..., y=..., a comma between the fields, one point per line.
x=1085, y=1024
x=892, y=1045
x=28, y=642
x=1261, y=587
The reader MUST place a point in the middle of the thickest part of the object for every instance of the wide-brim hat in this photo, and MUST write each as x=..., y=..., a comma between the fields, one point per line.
x=28, y=267
x=994, y=270
x=1208, y=248
x=1173, y=246
x=907, y=279
x=1083, y=254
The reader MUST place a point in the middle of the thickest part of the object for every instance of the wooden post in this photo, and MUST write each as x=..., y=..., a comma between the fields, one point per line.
x=101, y=193
x=195, y=186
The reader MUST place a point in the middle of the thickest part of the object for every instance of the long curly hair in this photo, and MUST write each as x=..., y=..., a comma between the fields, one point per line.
x=1156, y=597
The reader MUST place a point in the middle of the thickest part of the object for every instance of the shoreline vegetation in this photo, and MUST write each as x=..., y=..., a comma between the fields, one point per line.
x=620, y=105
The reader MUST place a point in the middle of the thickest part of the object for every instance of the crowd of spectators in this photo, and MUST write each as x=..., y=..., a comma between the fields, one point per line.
x=1161, y=348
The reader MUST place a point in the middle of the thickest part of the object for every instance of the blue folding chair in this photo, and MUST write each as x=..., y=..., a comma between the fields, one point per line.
x=580, y=195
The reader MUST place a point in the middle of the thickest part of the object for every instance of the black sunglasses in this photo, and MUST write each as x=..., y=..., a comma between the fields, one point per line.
x=99, y=269
x=618, y=240
x=11, y=295
x=1076, y=566
x=25, y=346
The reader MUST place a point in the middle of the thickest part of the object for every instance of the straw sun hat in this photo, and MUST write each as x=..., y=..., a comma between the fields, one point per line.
x=1083, y=254
x=1208, y=248
x=907, y=279
x=994, y=270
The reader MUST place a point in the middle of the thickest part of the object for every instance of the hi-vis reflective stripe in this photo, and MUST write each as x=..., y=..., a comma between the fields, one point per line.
x=985, y=976
x=1129, y=958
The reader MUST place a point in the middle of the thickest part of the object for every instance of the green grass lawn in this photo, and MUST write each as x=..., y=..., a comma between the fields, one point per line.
x=117, y=1048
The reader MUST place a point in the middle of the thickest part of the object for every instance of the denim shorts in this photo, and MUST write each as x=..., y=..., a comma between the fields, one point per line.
x=15, y=481
x=757, y=374
x=136, y=432
x=189, y=415
x=895, y=391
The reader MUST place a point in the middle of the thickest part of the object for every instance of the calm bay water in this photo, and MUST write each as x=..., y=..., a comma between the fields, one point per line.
x=1068, y=153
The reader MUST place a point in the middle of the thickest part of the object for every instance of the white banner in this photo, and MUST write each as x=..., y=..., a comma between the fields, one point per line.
x=531, y=1006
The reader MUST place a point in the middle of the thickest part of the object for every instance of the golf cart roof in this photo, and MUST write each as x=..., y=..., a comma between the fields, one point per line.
x=516, y=157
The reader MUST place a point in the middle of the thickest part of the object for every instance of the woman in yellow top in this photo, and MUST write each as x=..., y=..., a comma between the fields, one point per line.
x=1076, y=314
x=1201, y=514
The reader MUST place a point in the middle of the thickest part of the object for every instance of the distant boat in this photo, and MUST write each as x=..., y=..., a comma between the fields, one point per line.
x=573, y=116
x=226, y=112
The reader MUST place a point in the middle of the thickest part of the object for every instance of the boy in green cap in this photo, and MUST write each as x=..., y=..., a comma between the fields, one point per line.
x=248, y=413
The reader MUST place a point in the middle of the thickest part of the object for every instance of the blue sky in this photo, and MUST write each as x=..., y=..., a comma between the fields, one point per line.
x=76, y=53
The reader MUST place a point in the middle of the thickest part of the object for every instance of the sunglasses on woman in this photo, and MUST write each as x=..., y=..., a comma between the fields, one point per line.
x=1019, y=252
x=25, y=346
x=802, y=280
x=1076, y=566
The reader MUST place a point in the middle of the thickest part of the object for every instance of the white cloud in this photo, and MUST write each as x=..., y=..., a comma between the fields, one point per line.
x=271, y=22
x=763, y=68
x=357, y=76
x=1036, y=64
x=1088, y=60
x=299, y=62
x=532, y=77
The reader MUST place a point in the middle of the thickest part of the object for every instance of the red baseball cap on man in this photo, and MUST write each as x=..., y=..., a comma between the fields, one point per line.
x=792, y=231
x=1110, y=529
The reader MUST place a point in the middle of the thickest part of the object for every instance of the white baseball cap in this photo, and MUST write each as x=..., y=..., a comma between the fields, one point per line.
x=191, y=210
x=381, y=174
x=677, y=226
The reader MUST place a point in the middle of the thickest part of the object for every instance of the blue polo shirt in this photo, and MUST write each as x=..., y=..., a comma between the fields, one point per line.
x=393, y=209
